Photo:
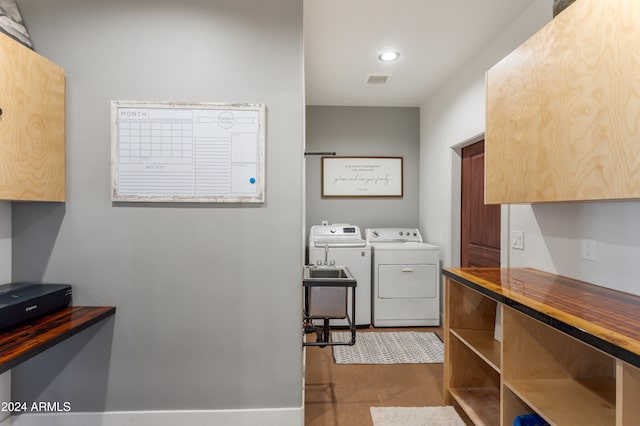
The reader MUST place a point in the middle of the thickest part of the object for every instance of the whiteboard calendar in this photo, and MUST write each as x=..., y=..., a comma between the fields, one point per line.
x=178, y=152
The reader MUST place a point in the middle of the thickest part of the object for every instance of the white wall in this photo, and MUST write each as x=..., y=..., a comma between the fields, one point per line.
x=553, y=232
x=452, y=117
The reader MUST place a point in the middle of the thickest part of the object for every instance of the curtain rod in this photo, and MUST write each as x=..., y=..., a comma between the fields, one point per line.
x=319, y=153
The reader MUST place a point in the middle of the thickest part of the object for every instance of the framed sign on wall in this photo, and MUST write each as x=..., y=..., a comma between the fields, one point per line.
x=362, y=177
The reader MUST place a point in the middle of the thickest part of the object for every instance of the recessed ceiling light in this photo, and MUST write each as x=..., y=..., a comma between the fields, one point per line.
x=388, y=56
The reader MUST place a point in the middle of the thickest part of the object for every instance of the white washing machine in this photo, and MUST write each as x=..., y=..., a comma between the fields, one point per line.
x=344, y=245
x=405, y=278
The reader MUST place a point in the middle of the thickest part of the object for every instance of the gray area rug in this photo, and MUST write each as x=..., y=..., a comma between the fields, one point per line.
x=415, y=416
x=403, y=347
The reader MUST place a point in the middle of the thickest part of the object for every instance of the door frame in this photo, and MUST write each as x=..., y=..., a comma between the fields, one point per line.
x=456, y=207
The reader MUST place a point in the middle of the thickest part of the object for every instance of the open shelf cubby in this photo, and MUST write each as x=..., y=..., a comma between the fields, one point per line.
x=568, y=351
x=627, y=391
x=476, y=386
x=473, y=355
x=562, y=379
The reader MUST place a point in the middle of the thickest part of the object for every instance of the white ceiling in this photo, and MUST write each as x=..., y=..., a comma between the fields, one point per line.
x=342, y=39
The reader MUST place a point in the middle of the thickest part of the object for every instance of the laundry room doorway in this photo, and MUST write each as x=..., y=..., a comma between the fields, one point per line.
x=480, y=223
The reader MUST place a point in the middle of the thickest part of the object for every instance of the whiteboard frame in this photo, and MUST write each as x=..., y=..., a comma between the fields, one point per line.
x=359, y=177
x=258, y=197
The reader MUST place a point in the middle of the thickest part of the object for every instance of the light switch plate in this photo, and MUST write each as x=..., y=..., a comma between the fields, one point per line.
x=517, y=240
x=589, y=249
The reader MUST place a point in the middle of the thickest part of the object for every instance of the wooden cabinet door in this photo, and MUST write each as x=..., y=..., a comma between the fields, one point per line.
x=32, y=125
x=563, y=109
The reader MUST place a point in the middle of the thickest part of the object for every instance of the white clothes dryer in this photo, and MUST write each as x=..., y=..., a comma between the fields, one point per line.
x=405, y=278
x=344, y=245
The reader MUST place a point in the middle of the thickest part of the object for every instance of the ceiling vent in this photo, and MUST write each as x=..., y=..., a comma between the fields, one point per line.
x=378, y=79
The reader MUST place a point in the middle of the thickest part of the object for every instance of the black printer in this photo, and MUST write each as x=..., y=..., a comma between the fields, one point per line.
x=21, y=302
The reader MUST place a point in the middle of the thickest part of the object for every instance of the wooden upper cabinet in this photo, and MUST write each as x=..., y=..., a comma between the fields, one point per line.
x=563, y=109
x=32, y=125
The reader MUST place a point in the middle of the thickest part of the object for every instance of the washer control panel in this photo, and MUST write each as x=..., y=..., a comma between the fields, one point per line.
x=389, y=235
x=336, y=235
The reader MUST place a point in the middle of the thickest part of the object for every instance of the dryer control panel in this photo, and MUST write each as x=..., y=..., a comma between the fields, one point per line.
x=393, y=235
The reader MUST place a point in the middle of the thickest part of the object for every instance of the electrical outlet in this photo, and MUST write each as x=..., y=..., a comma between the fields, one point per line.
x=589, y=249
x=517, y=240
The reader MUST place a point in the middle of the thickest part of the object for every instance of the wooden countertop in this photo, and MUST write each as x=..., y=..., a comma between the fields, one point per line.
x=25, y=341
x=606, y=319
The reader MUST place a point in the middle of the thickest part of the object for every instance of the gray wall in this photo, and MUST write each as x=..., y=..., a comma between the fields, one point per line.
x=207, y=296
x=363, y=131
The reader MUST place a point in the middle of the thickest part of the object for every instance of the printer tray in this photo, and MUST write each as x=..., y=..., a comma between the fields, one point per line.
x=21, y=302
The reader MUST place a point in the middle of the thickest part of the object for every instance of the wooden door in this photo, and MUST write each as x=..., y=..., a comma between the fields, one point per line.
x=480, y=227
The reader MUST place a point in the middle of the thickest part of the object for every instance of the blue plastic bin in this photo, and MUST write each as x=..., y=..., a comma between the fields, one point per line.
x=529, y=420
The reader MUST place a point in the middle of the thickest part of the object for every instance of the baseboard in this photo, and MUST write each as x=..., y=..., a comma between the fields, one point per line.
x=261, y=417
x=407, y=323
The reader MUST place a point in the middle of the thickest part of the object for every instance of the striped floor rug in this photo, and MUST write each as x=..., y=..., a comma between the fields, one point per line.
x=403, y=347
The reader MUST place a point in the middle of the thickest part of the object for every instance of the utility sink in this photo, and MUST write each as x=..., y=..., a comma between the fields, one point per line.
x=327, y=290
x=334, y=276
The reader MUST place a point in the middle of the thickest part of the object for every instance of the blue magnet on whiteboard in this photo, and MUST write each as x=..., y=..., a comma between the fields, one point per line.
x=252, y=180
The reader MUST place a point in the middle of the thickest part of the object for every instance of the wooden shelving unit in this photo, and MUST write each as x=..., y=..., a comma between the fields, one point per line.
x=554, y=358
